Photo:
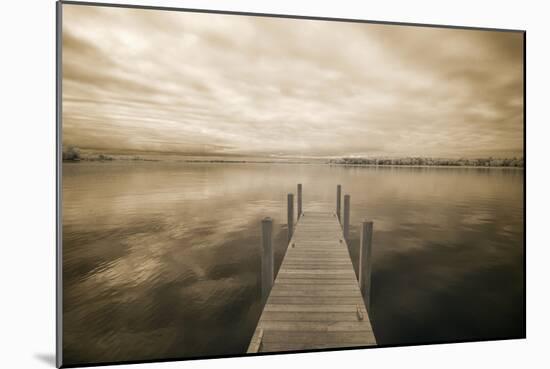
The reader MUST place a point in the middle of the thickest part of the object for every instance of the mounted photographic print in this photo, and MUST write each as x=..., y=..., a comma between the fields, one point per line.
x=234, y=184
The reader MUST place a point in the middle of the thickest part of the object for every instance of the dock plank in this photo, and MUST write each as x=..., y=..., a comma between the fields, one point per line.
x=315, y=301
x=303, y=316
x=288, y=340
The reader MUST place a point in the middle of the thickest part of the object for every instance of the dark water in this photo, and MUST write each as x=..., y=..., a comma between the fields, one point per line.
x=162, y=260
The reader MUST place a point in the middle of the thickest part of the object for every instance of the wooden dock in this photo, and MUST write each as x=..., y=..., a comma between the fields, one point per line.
x=315, y=301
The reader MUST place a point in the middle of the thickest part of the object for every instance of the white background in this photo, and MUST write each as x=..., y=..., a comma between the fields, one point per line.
x=27, y=182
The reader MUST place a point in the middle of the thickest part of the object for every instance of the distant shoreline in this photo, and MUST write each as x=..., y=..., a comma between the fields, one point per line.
x=295, y=163
x=427, y=166
x=75, y=154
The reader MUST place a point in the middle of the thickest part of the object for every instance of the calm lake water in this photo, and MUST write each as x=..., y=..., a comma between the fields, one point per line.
x=162, y=260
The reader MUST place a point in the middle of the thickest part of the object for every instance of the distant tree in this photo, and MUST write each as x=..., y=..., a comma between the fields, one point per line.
x=415, y=161
x=72, y=153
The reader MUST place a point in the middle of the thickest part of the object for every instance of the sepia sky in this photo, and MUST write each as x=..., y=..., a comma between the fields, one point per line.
x=225, y=85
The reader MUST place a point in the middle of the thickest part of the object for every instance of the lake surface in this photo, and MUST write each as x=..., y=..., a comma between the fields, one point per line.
x=162, y=260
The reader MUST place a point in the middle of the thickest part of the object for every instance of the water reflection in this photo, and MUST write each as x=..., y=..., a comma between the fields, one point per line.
x=162, y=259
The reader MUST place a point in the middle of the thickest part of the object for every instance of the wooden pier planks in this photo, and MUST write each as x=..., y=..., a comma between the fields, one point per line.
x=315, y=302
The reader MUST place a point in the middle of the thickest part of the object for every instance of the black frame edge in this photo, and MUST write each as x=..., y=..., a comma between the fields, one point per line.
x=58, y=179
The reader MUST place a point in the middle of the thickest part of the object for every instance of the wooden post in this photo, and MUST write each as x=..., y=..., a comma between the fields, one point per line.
x=299, y=201
x=365, y=262
x=267, y=258
x=338, y=199
x=290, y=215
x=346, y=217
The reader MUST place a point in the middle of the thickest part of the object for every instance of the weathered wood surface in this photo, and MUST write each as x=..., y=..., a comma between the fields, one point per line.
x=267, y=258
x=315, y=301
x=299, y=201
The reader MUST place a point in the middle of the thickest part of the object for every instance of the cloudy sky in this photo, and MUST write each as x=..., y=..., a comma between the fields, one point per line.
x=225, y=85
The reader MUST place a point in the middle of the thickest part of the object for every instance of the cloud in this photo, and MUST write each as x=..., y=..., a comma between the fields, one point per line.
x=212, y=84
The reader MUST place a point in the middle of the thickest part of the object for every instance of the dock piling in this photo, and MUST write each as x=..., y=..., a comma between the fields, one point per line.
x=299, y=201
x=365, y=262
x=290, y=215
x=338, y=199
x=346, y=217
x=267, y=258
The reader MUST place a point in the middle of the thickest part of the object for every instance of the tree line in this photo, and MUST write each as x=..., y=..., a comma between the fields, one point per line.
x=420, y=161
x=73, y=153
